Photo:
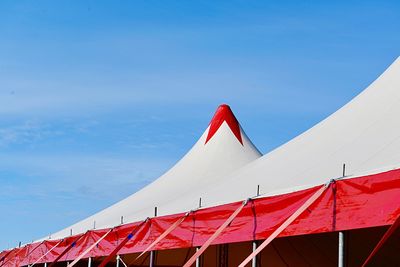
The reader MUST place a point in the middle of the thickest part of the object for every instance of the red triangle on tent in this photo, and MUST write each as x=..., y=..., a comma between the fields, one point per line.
x=224, y=113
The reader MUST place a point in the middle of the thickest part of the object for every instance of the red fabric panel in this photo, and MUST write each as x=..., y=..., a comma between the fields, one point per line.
x=10, y=258
x=362, y=202
x=82, y=244
x=121, y=244
x=69, y=245
x=22, y=253
x=42, y=250
x=4, y=255
x=25, y=256
x=104, y=247
x=32, y=248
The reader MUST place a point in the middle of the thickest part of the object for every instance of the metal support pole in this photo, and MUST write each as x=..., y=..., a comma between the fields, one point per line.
x=118, y=257
x=254, y=261
x=45, y=264
x=89, y=263
x=341, y=250
x=198, y=259
x=152, y=253
x=151, y=259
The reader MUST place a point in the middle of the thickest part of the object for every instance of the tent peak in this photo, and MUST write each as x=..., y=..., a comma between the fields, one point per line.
x=224, y=113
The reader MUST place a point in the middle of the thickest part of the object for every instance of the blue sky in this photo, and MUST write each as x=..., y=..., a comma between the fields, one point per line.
x=97, y=98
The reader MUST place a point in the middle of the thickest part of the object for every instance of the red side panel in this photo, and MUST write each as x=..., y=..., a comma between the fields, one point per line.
x=23, y=252
x=362, y=202
x=4, y=255
x=10, y=258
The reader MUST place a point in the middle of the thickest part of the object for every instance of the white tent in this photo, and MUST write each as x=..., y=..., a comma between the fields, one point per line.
x=222, y=148
x=224, y=168
x=364, y=135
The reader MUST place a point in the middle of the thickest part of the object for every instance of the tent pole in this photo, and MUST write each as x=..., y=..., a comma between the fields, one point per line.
x=45, y=264
x=152, y=253
x=254, y=261
x=151, y=259
x=198, y=258
x=341, y=250
x=117, y=265
x=89, y=263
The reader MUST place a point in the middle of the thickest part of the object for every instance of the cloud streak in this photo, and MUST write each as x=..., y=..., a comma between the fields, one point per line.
x=65, y=189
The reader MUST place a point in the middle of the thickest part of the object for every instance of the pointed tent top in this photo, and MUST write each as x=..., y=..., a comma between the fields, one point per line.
x=364, y=134
x=224, y=113
x=229, y=150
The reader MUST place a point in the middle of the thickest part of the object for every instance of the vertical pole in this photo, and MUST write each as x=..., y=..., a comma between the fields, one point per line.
x=152, y=253
x=254, y=261
x=45, y=264
x=341, y=250
x=344, y=170
x=151, y=259
x=198, y=259
x=341, y=234
x=117, y=265
x=89, y=263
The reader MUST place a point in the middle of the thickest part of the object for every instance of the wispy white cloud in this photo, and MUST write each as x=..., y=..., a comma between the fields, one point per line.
x=53, y=191
x=85, y=176
x=26, y=132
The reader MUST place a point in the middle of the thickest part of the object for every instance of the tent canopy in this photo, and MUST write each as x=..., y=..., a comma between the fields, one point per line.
x=221, y=149
x=364, y=135
x=224, y=168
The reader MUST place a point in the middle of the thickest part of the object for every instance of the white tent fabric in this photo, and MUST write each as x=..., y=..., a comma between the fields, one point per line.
x=202, y=165
x=364, y=135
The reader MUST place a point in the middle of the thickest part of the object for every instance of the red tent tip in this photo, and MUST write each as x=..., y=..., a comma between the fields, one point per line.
x=224, y=113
